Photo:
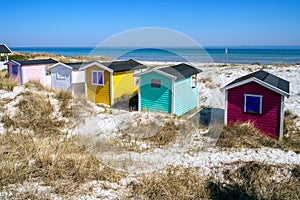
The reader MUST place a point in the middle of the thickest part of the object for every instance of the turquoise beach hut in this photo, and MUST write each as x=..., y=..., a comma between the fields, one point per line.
x=170, y=89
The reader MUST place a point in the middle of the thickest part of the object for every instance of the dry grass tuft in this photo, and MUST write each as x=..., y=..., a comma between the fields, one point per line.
x=166, y=134
x=244, y=135
x=251, y=180
x=291, y=132
x=5, y=82
x=247, y=136
x=146, y=136
x=256, y=180
x=34, y=84
x=62, y=164
x=208, y=82
x=177, y=183
x=34, y=113
x=65, y=100
x=34, y=148
x=61, y=58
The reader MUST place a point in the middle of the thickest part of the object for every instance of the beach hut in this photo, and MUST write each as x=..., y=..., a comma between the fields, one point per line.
x=169, y=89
x=259, y=98
x=109, y=82
x=67, y=76
x=61, y=76
x=4, y=51
x=26, y=70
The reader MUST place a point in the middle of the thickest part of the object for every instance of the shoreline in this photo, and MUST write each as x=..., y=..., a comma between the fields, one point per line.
x=40, y=55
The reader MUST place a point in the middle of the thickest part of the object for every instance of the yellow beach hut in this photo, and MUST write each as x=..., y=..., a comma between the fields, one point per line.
x=106, y=82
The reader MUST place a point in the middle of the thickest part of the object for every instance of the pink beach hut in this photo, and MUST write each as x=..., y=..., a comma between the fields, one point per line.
x=257, y=97
x=26, y=70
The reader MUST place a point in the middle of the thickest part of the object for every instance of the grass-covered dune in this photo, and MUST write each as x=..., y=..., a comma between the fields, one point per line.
x=42, y=157
x=61, y=58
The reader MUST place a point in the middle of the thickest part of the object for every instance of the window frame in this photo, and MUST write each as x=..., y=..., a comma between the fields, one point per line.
x=260, y=103
x=136, y=81
x=155, y=85
x=97, y=71
x=59, y=77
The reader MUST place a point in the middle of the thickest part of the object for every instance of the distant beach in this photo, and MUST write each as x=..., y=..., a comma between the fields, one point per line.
x=243, y=55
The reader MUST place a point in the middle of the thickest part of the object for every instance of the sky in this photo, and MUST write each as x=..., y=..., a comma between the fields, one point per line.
x=209, y=22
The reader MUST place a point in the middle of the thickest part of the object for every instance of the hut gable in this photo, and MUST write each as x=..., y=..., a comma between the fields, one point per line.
x=30, y=70
x=169, y=89
x=107, y=82
x=258, y=98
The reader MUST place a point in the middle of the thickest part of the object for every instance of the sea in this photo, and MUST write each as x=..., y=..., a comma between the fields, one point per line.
x=220, y=54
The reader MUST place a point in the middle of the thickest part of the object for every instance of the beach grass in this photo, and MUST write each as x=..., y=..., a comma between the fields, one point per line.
x=35, y=149
x=5, y=82
x=61, y=58
x=245, y=135
x=249, y=180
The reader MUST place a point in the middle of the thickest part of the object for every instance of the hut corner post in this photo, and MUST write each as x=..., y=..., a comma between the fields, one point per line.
x=281, y=118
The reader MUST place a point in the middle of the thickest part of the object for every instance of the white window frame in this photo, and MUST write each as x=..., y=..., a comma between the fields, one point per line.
x=253, y=95
x=154, y=79
x=58, y=76
x=193, y=83
x=98, y=77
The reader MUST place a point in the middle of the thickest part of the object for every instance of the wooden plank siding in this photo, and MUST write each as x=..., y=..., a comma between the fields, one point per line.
x=97, y=93
x=36, y=73
x=269, y=121
x=61, y=83
x=155, y=99
x=17, y=78
x=186, y=98
x=123, y=84
x=29, y=72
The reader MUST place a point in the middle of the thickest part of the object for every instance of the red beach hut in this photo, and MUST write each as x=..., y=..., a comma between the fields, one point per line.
x=257, y=97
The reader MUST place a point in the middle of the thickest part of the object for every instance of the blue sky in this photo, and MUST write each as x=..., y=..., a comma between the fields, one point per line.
x=209, y=22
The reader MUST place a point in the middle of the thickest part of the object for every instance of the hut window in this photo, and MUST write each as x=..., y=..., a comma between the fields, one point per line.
x=61, y=74
x=97, y=77
x=14, y=69
x=253, y=103
x=155, y=83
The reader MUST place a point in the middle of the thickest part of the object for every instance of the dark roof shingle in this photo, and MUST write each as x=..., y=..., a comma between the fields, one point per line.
x=121, y=66
x=77, y=65
x=181, y=71
x=4, y=49
x=266, y=77
x=37, y=62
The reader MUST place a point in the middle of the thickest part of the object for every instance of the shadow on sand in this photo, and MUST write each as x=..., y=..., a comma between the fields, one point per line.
x=211, y=118
x=130, y=104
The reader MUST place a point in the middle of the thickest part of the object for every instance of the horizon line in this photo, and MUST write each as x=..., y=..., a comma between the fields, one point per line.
x=204, y=46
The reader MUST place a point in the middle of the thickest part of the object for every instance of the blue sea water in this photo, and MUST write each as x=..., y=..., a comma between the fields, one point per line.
x=246, y=55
